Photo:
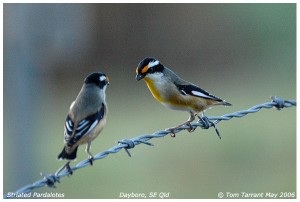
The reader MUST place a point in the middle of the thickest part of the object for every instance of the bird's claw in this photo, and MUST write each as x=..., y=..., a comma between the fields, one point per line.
x=172, y=131
x=68, y=168
x=91, y=159
x=191, y=129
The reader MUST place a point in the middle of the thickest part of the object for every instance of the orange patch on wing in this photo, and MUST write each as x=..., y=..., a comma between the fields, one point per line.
x=145, y=69
x=137, y=70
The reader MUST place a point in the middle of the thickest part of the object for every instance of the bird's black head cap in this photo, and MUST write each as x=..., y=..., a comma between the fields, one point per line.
x=148, y=65
x=98, y=79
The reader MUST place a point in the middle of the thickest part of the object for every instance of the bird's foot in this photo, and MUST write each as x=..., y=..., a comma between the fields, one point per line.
x=68, y=168
x=191, y=129
x=91, y=159
x=173, y=129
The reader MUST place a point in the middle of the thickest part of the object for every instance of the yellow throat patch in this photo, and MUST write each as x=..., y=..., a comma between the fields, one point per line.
x=153, y=90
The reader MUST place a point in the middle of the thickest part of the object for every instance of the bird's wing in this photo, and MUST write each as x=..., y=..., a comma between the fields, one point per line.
x=74, y=134
x=190, y=89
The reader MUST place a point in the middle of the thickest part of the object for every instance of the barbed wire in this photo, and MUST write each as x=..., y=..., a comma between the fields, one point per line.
x=204, y=122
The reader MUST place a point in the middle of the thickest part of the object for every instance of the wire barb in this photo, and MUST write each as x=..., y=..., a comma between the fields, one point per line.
x=279, y=102
x=129, y=144
x=50, y=180
x=204, y=122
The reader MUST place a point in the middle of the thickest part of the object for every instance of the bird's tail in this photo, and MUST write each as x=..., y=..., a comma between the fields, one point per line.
x=68, y=156
x=221, y=102
x=226, y=103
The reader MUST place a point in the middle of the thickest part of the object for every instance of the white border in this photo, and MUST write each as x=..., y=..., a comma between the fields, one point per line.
x=134, y=1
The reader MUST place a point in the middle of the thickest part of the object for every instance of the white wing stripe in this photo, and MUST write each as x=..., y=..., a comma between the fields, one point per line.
x=182, y=91
x=80, y=133
x=82, y=126
x=82, y=122
x=197, y=93
x=92, y=126
x=68, y=127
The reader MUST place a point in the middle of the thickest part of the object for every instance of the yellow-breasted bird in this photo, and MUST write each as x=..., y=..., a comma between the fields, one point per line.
x=173, y=92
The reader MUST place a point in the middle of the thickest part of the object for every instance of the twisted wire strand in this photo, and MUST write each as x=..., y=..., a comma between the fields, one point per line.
x=126, y=144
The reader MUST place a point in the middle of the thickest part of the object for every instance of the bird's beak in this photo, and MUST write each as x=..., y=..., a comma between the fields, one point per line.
x=107, y=80
x=139, y=77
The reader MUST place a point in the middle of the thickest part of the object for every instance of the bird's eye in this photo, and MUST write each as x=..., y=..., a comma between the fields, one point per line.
x=150, y=70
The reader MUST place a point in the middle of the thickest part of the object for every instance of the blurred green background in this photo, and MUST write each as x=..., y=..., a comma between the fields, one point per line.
x=243, y=53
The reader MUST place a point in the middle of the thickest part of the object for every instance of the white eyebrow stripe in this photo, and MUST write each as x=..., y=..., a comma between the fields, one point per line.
x=102, y=78
x=152, y=64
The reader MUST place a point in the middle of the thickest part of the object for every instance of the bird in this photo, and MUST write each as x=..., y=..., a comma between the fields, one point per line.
x=86, y=118
x=175, y=93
